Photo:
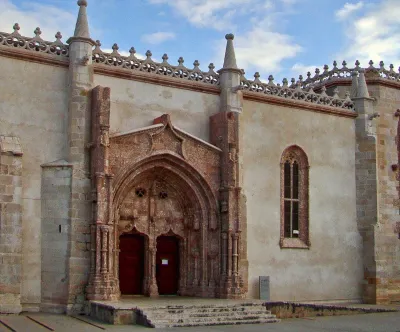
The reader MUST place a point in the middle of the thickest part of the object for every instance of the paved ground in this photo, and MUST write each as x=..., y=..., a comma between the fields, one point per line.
x=382, y=322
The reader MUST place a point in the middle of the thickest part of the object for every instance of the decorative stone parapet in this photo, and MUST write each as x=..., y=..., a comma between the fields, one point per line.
x=344, y=73
x=295, y=92
x=147, y=65
x=35, y=44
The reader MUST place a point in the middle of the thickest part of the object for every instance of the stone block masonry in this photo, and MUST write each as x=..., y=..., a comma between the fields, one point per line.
x=10, y=224
x=56, y=204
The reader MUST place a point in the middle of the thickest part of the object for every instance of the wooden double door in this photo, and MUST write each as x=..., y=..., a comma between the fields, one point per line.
x=132, y=264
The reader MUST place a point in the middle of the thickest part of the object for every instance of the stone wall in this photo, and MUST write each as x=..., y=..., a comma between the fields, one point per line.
x=10, y=224
x=387, y=243
x=135, y=105
x=34, y=108
x=331, y=269
x=55, y=230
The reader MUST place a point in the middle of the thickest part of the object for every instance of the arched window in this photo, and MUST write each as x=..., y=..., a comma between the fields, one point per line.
x=294, y=199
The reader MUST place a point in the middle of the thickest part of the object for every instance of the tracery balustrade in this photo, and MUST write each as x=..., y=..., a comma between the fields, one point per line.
x=36, y=44
x=295, y=91
x=148, y=65
x=336, y=73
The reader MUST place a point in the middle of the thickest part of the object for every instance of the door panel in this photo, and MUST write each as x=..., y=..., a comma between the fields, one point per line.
x=131, y=263
x=167, y=265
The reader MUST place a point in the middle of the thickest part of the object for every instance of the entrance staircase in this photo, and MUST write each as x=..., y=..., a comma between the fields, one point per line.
x=204, y=315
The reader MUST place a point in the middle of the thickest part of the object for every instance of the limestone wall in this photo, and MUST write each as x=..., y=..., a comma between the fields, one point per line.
x=10, y=224
x=33, y=107
x=386, y=238
x=136, y=104
x=332, y=268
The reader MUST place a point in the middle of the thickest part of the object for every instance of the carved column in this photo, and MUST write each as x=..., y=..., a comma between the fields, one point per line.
x=153, y=288
x=224, y=255
x=225, y=127
x=103, y=284
x=235, y=254
x=183, y=263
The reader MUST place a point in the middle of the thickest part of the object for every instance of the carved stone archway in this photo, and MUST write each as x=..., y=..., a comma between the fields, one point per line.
x=206, y=211
x=161, y=196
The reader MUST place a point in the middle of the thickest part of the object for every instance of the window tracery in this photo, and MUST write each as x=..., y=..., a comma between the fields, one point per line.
x=294, y=199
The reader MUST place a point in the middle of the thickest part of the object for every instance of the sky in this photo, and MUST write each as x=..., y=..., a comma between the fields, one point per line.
x=284, y=38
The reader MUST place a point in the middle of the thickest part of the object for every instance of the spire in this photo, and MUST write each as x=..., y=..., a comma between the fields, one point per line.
x=362, y=85
x=230, y=58
x=82, y=26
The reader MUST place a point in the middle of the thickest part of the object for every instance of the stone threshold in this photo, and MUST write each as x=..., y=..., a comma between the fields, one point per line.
x=284, y=310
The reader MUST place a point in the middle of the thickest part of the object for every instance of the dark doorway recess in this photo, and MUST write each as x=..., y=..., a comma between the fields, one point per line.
x=131, y=264
x=167, y=265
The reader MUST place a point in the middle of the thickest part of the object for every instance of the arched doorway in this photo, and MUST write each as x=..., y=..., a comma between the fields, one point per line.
x=167, y=265
x=131, y=264
x=176, y=212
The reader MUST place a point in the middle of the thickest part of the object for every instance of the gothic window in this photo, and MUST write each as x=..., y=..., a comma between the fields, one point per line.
x=294, y=199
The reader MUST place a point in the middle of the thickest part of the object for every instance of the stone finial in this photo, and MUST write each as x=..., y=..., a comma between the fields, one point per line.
x=336, y=93
x=230, y=57
x=271, y=80
x=16, y=29
x=354, y=84
x=58, y=36
x=82, y=25
x=362, y=91
x=37, y=33
x=165, y=58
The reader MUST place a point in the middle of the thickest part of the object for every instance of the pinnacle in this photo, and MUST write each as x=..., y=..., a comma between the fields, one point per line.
x=82, y=26
x=230, y=57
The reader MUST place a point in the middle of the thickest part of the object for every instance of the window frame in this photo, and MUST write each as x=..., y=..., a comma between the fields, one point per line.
x=296, y=154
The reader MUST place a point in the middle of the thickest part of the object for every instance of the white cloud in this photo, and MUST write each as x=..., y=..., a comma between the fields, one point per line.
x=348, y=9
x=258, y=45
x=375, y=35
x=215, y=14
x=30, y=15
x=264, y=50
x=158, y=37
x=301, y=69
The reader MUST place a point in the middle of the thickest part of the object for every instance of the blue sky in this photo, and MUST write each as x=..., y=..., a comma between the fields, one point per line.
x=280, y=37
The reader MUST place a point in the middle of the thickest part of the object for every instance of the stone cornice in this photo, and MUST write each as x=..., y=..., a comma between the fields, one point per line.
x=82, y=40
x=268, y=99
x=155, y=79
x=38, y=57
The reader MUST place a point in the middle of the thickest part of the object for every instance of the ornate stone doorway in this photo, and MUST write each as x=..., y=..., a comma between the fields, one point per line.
x=181, y=254
x=160, y=180
x=131, y=264
x=167, y=265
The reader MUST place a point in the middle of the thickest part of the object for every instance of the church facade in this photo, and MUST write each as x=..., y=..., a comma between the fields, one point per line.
x=124, y=176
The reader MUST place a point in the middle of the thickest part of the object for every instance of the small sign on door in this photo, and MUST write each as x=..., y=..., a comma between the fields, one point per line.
x=164, y=262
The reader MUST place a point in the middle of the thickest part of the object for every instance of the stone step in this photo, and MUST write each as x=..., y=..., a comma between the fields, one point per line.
x=209, y=311
x=214, y=323
x=206, y=315
x=160, y=315
x=214, y=319
x=205, y=306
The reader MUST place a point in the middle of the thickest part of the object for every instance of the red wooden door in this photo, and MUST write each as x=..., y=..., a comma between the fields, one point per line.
x=131, y=263
x=167, y=265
